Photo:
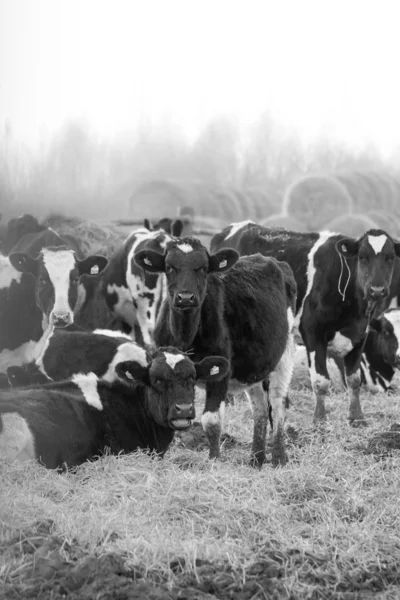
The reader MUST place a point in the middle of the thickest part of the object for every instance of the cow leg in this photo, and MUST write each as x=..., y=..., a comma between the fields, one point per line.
x=319, y=376
x=259, y=406
x=211, y=417
x=352, y=363
x=279, y=382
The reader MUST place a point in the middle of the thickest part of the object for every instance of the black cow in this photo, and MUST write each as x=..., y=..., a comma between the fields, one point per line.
x=133, y=296
x=242, y=311
x=68, y=353
x=342, y=284
x=57, y=272
x=26, y=234
x=64, y=424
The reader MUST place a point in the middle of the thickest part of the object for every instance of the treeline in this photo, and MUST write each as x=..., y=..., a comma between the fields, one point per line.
x=225, y=173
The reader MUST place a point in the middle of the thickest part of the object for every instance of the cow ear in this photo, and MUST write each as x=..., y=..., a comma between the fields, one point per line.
x=348, y=247
x=397, y=248
x=92, y=265
x=131, y=371
x=223, y=260
x=147, y=224
x=24, y=263
x=177, y=228
x=150, y=261
x=212, y=368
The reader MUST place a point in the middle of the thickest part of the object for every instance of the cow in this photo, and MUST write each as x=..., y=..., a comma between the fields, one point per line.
x=26, y=234
x=241, y=309
x=381, y=356
x=172, y=226
x=63, y=424
x=132, y=295
x=57, y=272
x=67, y=353
x=91, y=310
x=343, y=283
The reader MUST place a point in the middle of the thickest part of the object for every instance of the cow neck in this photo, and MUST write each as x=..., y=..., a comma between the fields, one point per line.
x=184, y=326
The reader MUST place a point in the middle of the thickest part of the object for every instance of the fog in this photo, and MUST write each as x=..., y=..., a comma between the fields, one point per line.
x=133, y=109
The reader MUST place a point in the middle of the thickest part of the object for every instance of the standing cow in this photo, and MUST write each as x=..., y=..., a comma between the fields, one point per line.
x=343, y=283
x=242, y=311
x=132, y=295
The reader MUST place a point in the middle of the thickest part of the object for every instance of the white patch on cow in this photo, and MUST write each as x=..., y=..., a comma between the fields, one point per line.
x=393, y=317
x=7, y=273
x=394, y=303
x=88, y=386
x=235, y=227
x=28, y=352
x=186, y=248
x=124, y=306
x=112, y=333
x=340, y=345
x=59, y=265
x=290, y=320
x=311, y=269
x=210, y=419
x=16, y=439
x=173, y=359
x=45, y=345
x=128, y=351
x=377, y=242
x=374, y=388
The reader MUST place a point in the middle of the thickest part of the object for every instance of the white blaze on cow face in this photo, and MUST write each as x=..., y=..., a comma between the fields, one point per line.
x=7, y=273
x=186, y=248
x=59, y=265
x=88, y=386
x=235, y=227
x=377, y=242
x=173, y=359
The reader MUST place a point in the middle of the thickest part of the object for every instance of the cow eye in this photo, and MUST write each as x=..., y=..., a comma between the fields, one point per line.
x=386, y=333
x=42, y=280
x=200, y=270
x=364, y=259
x=169, y=269
x=389, y=259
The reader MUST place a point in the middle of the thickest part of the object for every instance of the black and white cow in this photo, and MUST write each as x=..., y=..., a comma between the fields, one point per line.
x=242, y=311
x=64, y=424
x=132, y=295
x=57, y=272
x=67, y=353
x=343, y=283
x=26, y=234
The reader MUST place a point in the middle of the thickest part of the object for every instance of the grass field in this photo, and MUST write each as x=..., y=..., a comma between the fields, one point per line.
x=325, y=526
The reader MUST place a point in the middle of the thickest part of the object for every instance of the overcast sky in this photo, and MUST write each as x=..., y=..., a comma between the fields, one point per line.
x=329, y=67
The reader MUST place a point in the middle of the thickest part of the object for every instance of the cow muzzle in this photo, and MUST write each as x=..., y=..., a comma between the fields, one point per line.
x=377, y=292
x=60, y=320
x=181, y=416
x=185, y=300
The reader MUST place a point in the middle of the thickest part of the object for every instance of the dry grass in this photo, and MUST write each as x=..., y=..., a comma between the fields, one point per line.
x=324, y=526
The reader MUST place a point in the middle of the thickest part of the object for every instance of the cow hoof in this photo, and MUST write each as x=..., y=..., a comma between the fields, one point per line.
x=257, y=460
x=279, y=461
x=358, y=422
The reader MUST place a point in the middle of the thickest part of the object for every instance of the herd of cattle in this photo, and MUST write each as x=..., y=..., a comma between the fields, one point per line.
x=107, y=352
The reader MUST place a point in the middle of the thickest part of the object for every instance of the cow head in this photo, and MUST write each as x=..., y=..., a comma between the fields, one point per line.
x=17, y=228
x=375, y=252
x=387, y=337
x=172, y=226
x=187, y=264
x=170, y=380
x=57, y=272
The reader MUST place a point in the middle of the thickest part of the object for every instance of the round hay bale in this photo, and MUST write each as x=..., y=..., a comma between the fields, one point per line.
x=315, y=200
x=285, y=221
x=352, y=225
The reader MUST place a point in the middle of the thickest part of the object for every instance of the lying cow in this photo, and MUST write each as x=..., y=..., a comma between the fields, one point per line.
x=68, y=353
x=242, y=311
x=64, y=424
x=343, y=283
